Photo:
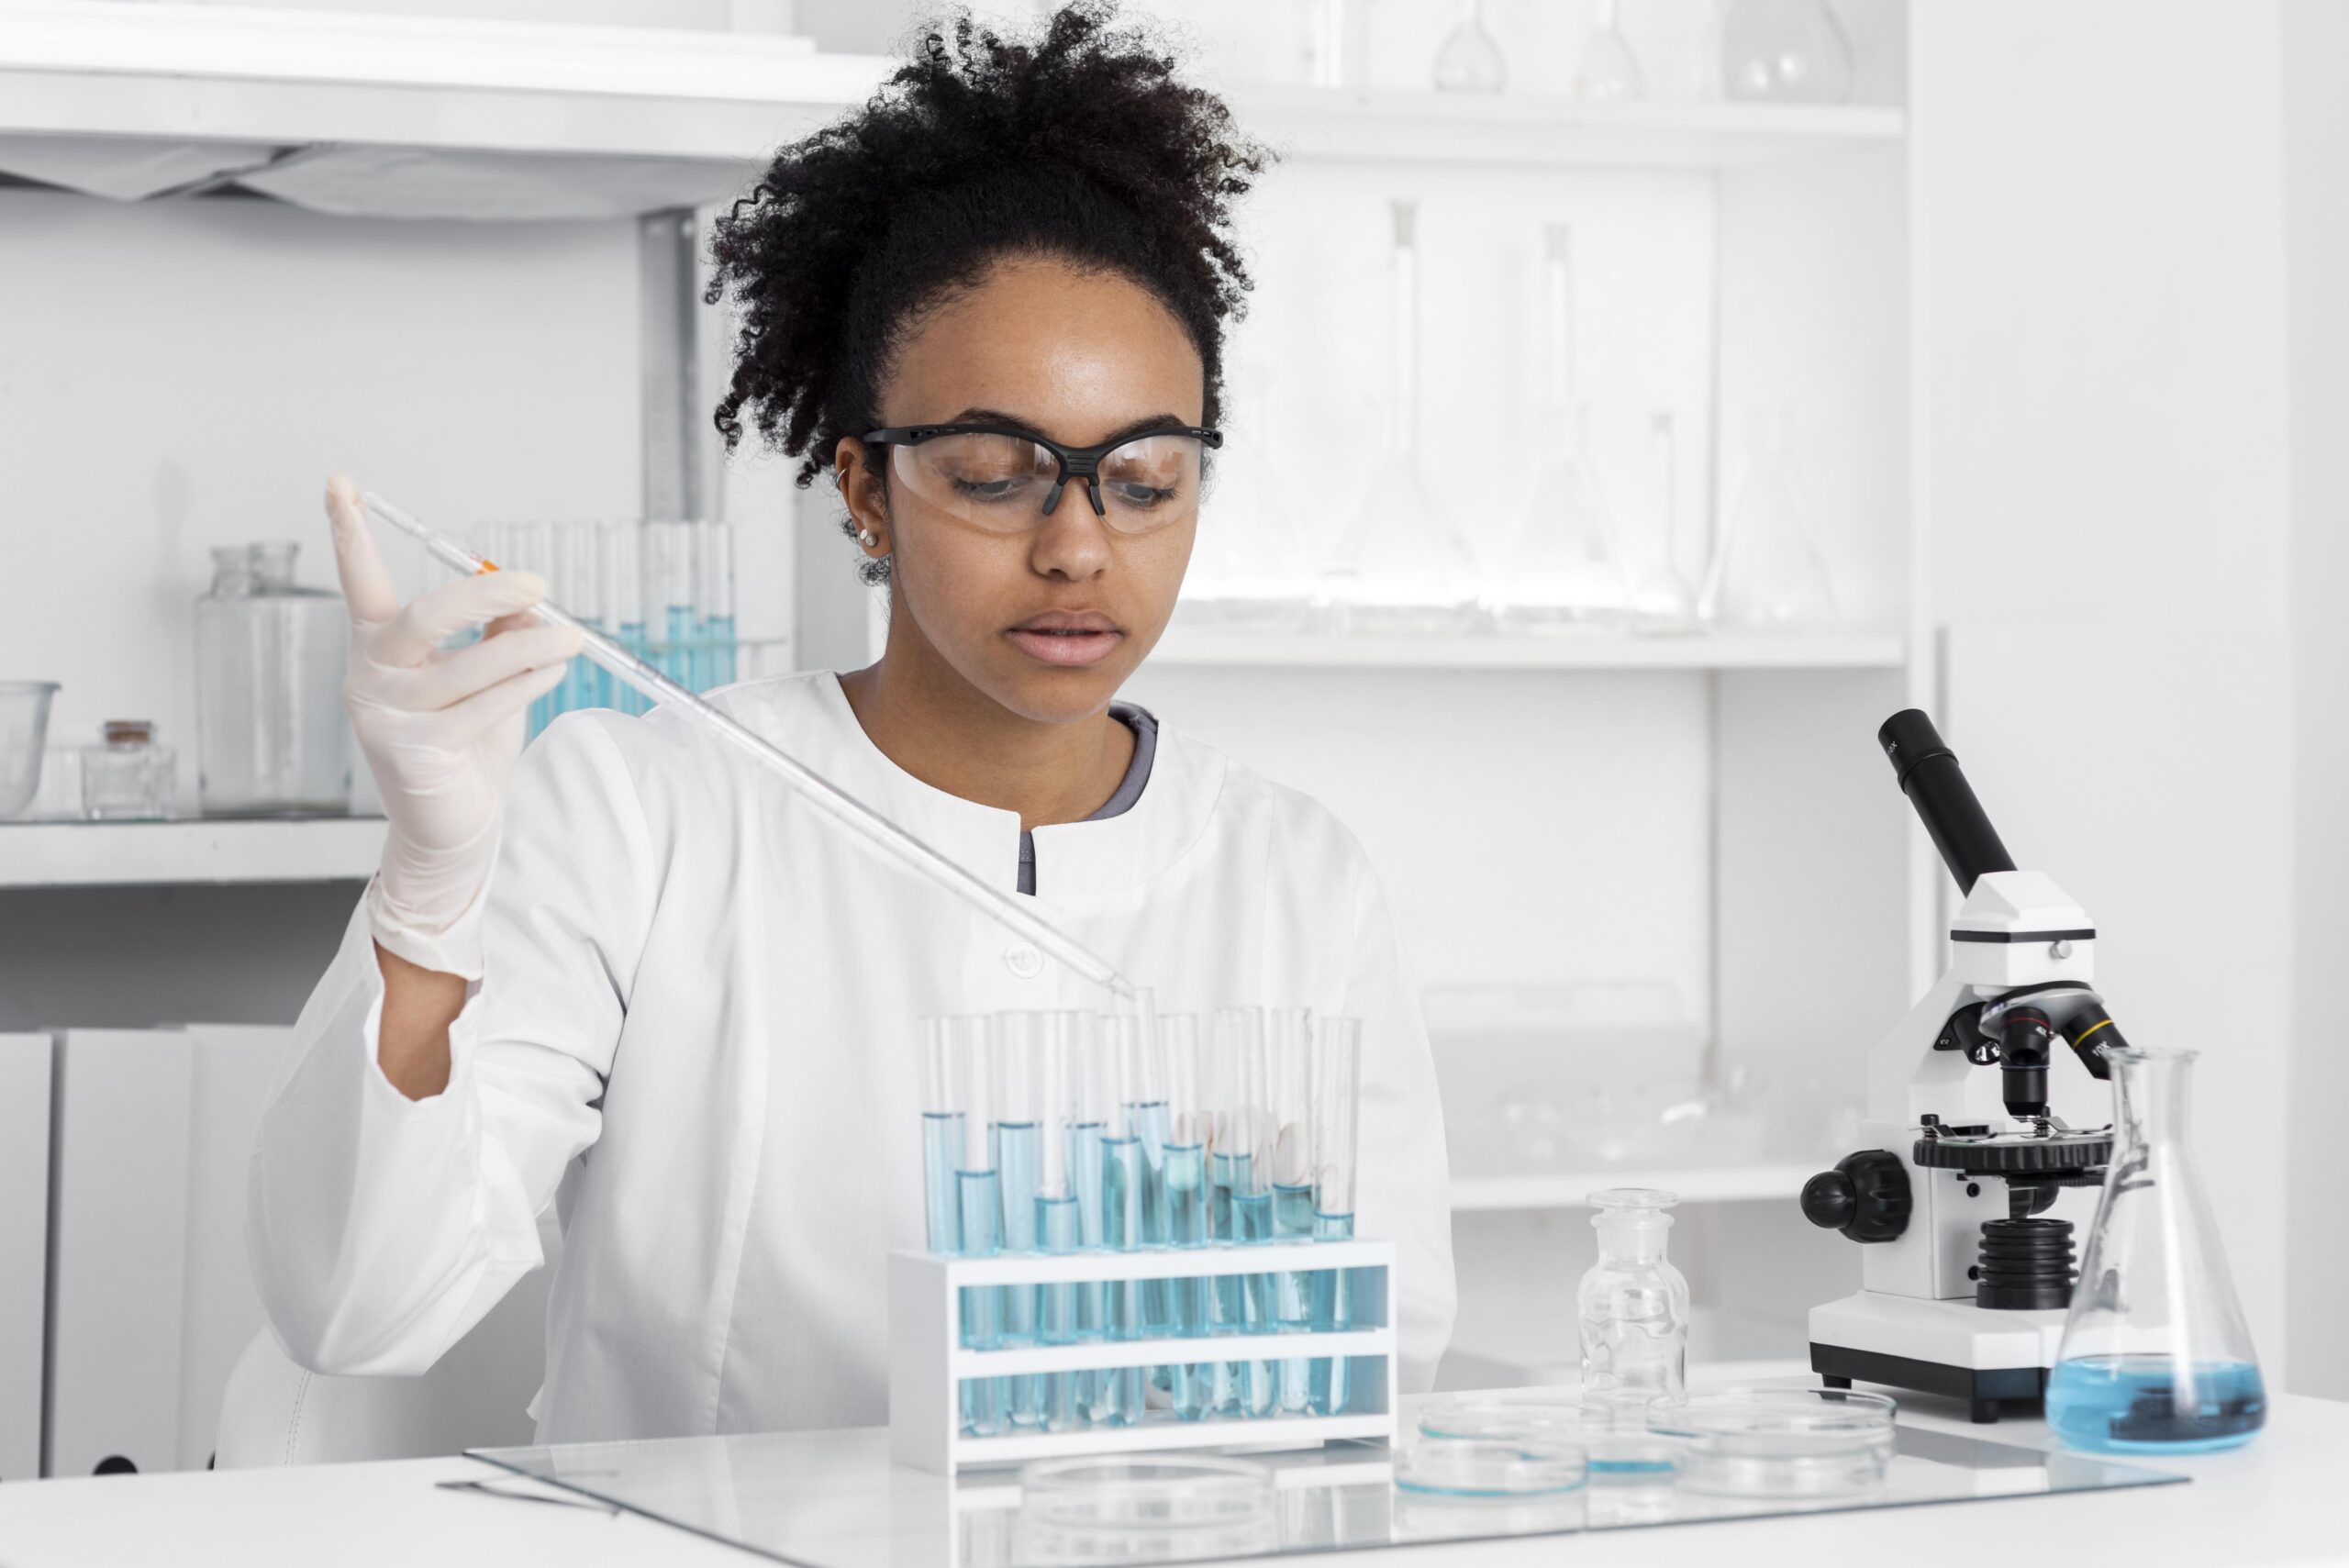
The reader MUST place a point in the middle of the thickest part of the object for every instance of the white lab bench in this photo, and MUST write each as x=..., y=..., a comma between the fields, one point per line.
x=2277, y=1501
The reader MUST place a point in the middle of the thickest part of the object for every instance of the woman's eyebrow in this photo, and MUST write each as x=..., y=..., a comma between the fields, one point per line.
x=1125, y=432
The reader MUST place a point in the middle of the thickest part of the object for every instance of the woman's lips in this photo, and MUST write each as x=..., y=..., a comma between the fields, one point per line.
x=1068, y=648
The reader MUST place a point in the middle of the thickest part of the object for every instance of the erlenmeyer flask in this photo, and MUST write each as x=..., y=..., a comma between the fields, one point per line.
x=1252, y=565
x=1666, y=601
x=1785, y=52
x=1565, y=569
x=1767, y=574
x=1470, y=60
x=2155, y=1357
x=1403, y=567
x=1608, y=72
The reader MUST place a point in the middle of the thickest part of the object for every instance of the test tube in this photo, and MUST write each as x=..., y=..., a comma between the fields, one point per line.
x=1020, y=1166
x=1059, y=1222
x=978, y=1198
x=1252, y=1193
x=669, y=568
x=941, y=1130
x=621, y=546
x=1337, y=1081
x=1121, y=1088
x=1236, y=1034
x=1182, y=1197
x=1289, y=1122
x=715, y=549
x=577, y=584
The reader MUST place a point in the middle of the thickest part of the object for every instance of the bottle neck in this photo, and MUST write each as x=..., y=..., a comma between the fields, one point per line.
x=1624, y=1238
x=2153, y=1089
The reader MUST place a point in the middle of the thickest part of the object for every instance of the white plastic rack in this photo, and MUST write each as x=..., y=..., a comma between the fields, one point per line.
x=928, y=1362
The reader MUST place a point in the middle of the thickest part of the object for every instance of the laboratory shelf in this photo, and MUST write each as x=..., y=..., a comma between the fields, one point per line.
x=1567, y=1189
x=1402, y=126
x=97, y=854
x=460, y=117
x=1184, y=645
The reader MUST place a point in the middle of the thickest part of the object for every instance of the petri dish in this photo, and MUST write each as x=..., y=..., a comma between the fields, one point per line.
x=1780, y=1443
x=1142, y=1491
x=1611, y=1446
x=1489, y=1467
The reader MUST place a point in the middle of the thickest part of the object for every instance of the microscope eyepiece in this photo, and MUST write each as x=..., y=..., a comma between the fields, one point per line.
x=1936, y=786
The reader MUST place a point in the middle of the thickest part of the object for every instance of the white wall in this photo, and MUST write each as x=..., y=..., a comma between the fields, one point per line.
x=2316, y=164
x=186, y=374
x=2105, y=470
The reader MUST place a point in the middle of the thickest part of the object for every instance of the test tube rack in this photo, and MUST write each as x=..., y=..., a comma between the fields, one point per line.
x=928, y=1361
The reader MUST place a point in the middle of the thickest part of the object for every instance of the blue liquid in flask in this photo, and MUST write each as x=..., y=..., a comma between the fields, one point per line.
x=2144, y=1405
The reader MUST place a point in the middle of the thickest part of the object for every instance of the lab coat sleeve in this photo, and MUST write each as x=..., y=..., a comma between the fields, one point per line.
x=1404, y=1192
x=382, y=1228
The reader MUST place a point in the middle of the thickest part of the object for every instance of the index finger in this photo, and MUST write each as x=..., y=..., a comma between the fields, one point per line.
x=366, y=586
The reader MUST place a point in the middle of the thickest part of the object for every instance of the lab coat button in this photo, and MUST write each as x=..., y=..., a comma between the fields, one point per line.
x=1023, y=960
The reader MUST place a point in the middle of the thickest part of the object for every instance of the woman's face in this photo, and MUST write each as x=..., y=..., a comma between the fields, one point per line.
x=1047, y=614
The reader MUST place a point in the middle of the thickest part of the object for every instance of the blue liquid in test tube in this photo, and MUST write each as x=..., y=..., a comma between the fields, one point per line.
x=1184, y=1203
x=1292, y=1311
x=1125, y=1191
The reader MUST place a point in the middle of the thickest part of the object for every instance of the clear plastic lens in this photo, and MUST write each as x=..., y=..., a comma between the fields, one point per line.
x=1001, y=482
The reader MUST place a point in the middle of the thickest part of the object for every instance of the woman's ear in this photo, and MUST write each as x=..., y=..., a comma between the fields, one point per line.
x=863, y=491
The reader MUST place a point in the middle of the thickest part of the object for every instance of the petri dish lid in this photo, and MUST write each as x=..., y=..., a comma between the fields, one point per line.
x=1760, y=1420
x=1489, y=1467
x=1611, y=1445
x=1132, y=1492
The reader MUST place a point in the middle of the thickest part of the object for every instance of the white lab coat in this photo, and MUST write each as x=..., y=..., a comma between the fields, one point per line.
x=700, y=1005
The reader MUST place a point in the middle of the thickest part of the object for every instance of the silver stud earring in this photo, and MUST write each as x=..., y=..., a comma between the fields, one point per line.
x=867, y=538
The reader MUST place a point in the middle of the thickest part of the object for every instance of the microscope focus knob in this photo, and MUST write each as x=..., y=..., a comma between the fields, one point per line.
x=1865, y=1196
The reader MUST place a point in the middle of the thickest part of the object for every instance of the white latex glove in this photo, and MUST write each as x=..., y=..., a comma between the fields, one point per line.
x=440, y=732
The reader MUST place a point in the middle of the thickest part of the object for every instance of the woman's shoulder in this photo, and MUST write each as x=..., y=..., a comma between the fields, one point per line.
x=1251, y=810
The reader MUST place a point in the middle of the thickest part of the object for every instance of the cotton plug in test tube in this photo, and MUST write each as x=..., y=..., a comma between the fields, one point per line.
x=1337, y=1084
x=1005, y=908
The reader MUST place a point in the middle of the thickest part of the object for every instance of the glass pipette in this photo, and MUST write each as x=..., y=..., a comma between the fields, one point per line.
x=843, y=808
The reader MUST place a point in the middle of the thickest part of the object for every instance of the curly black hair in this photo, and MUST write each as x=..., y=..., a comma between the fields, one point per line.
x=1080, y=143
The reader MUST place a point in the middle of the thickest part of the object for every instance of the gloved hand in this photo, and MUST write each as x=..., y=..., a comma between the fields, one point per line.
x=440, y=732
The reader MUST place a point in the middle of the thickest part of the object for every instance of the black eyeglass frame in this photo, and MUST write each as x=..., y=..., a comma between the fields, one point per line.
x=1077, y=462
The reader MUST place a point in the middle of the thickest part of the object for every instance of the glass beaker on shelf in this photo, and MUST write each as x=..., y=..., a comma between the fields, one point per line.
x=269, y=731
x=1565, y=571
x=1608, y=72
x=1632, y=1306
x=2156, y=1357
x=1786, y=51
x=1767, y=574
x=1665, y=602
x=1402, y=566
x=1470, y=60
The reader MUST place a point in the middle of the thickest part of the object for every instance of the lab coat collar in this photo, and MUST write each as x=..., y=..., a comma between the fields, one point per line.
x=810, y=716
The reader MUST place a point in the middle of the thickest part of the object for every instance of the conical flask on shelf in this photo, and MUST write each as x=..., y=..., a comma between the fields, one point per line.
x=1665, y=602
x=1252, y=565
x=1402, y=566
x=1566, y=569
x=1767, y=574
x=1785, y=52
x=2155, y=1357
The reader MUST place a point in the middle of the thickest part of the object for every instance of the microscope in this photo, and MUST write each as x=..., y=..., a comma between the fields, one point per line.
x=1967, y=1276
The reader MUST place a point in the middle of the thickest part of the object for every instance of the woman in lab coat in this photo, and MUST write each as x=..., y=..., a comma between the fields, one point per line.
x=686, y=1004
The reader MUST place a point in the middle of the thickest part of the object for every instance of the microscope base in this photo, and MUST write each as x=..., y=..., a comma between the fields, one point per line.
x=1954, y=1348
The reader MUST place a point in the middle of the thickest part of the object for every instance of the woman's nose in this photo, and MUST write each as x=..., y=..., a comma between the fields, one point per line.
x=1071, y=541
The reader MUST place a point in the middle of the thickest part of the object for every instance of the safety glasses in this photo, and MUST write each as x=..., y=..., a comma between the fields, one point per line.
x=1008, y=480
